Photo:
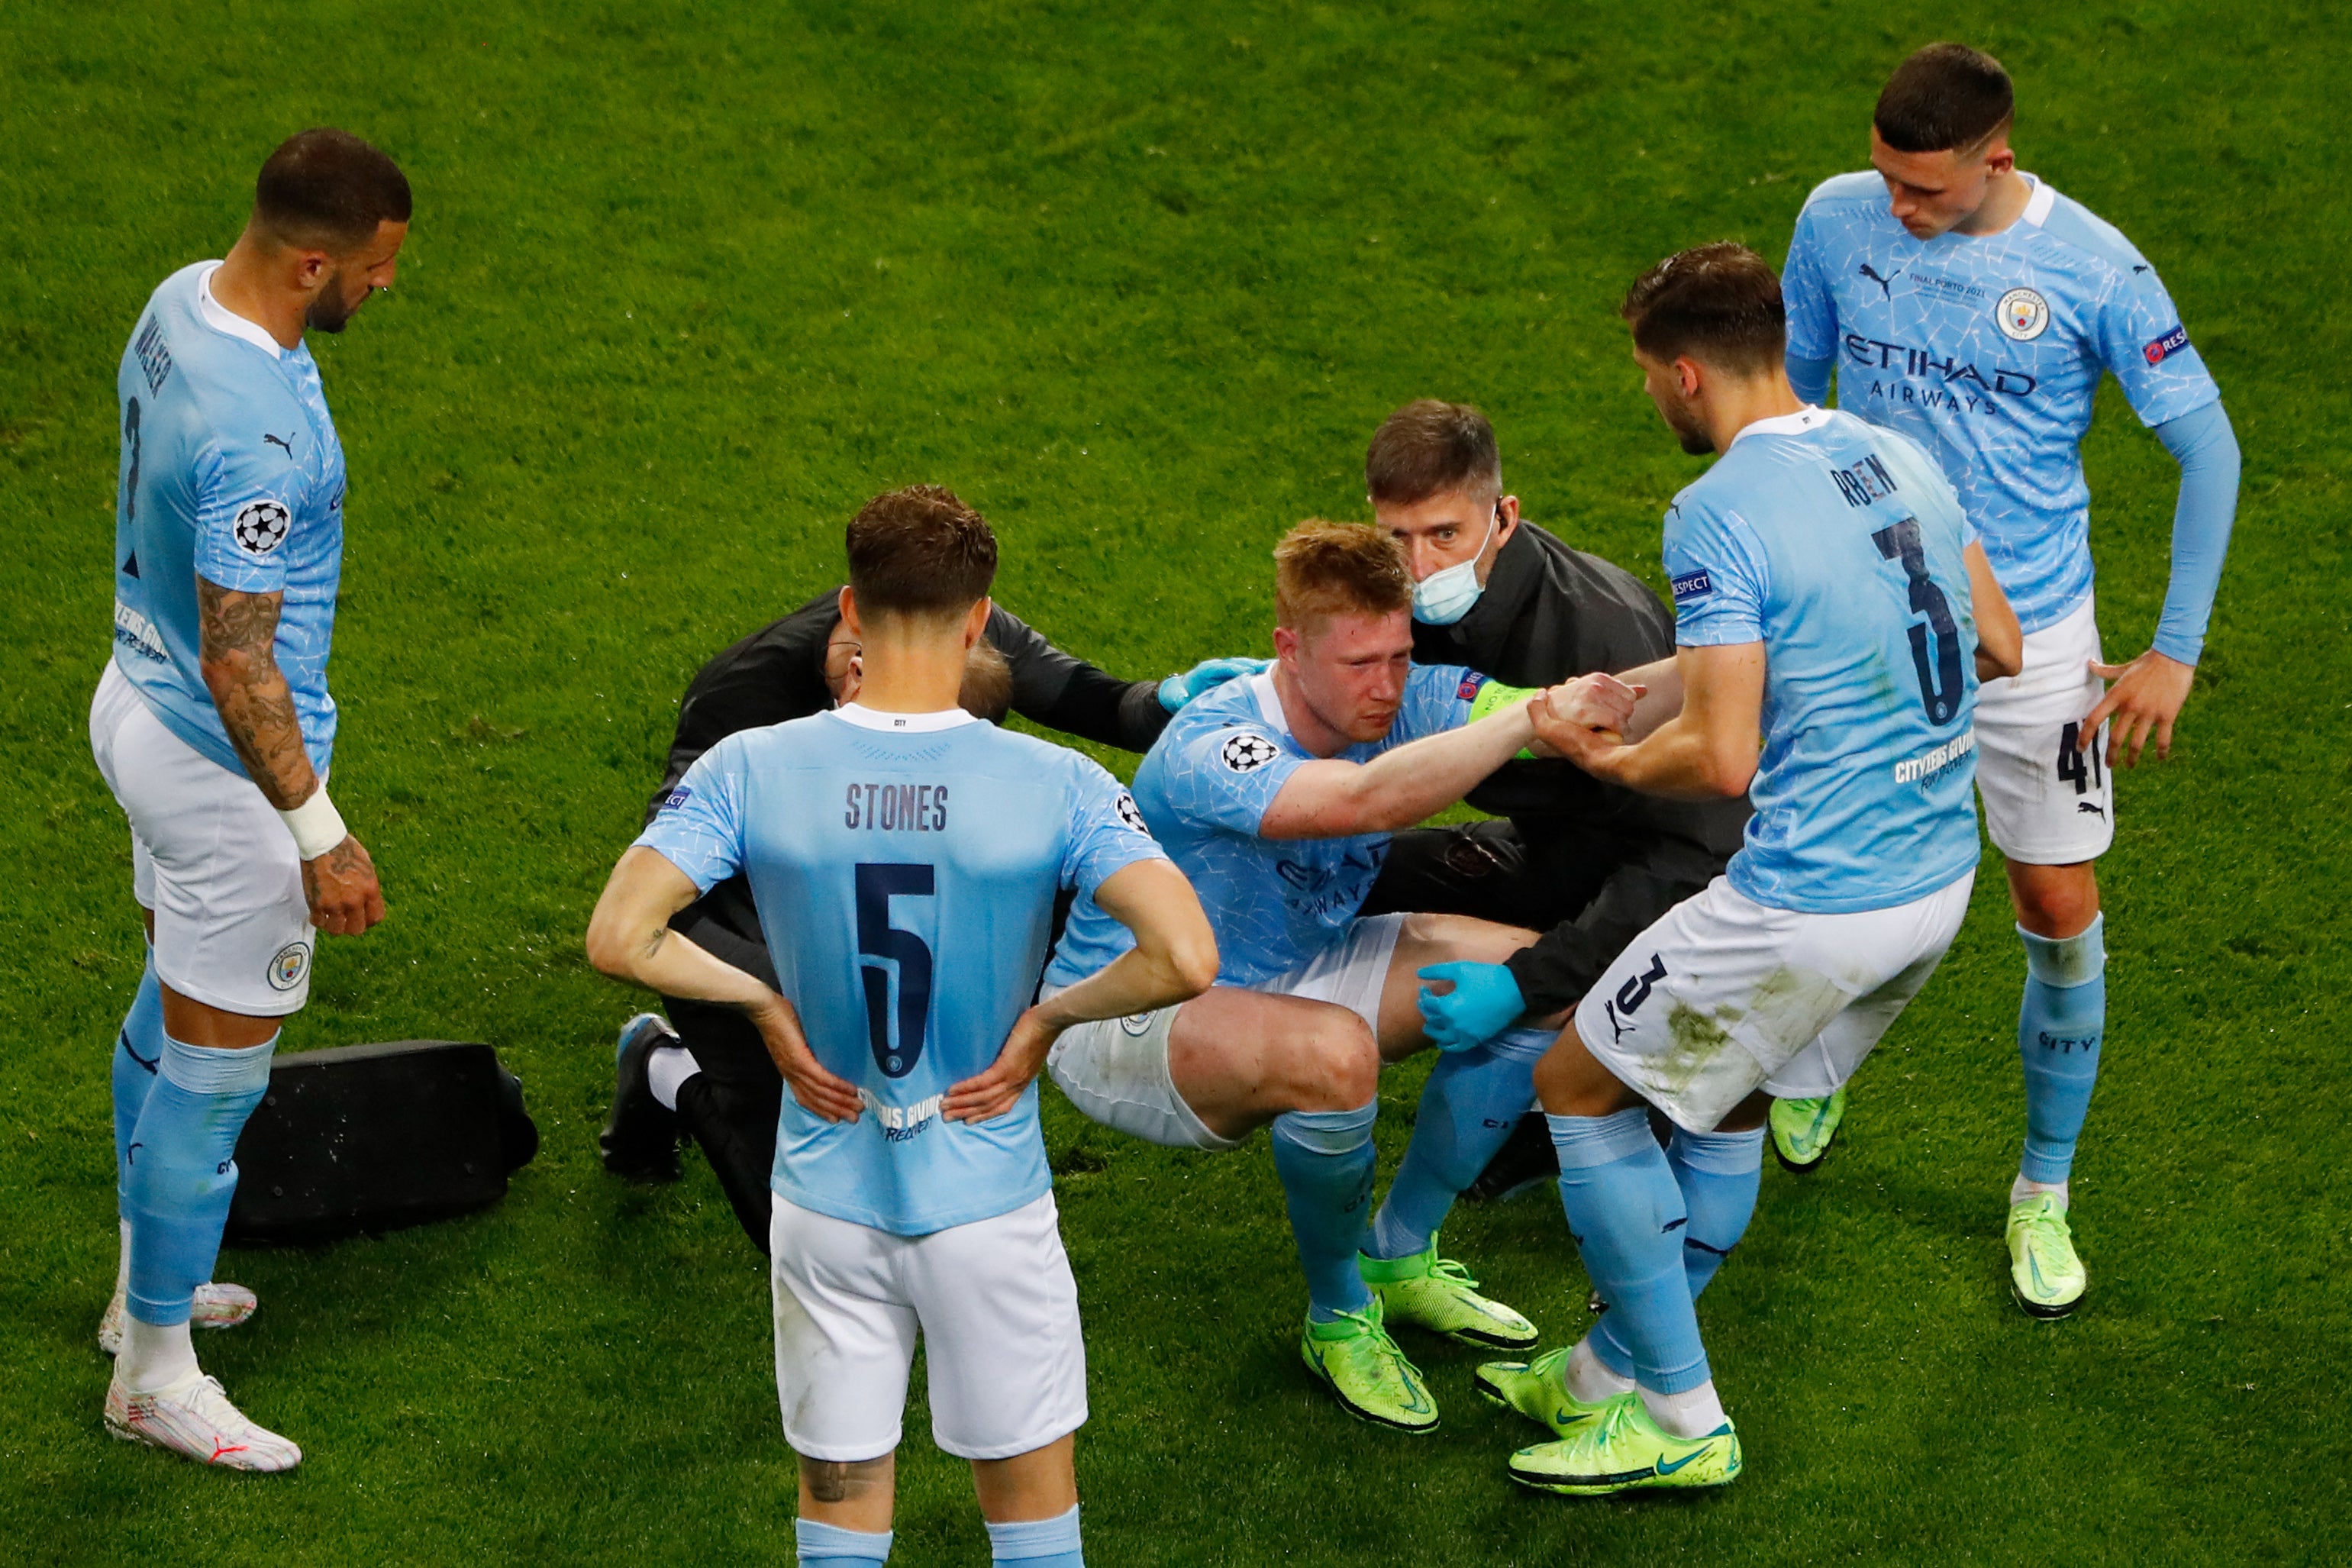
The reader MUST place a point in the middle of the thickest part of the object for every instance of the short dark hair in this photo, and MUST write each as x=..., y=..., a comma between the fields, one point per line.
x=327, y=188
x=1429, y=448
x=987, y=689
x=920, y=552
x=1720, y=304
x=1338, y=568
x=1945, y=96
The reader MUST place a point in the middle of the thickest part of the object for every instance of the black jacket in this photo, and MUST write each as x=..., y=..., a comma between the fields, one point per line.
x=777, y=674
x=1548, y=614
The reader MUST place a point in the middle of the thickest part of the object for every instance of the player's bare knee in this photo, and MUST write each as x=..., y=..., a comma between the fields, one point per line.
x=1340, y=1066
x=1571, y=1081
x=844, y=1480
x=2054, y=901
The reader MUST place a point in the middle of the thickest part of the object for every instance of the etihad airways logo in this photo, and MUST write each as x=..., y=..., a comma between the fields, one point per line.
x=1869, y=353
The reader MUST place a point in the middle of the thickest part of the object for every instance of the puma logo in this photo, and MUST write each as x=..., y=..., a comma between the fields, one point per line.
x=2093, y=806
x=1886, y=284
x=285, y=441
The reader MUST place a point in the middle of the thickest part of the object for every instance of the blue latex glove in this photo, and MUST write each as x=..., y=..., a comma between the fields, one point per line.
x=1206, y=676
x=1484, y=1002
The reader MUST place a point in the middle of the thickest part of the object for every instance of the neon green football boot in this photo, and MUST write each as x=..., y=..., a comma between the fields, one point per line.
x=1537, y=1390
x=1801, y=1129
x=2044, y=1275
x=1623, y=1448
x=1368, y=1372
x=1438, y=1294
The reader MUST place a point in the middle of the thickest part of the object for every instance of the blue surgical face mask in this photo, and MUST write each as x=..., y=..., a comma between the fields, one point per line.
x=1446, y=596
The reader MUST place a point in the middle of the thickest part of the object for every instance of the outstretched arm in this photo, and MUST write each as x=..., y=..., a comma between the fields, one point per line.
x=629, y=938
x=1709, y=749
x=1063, y=691
x=236, y=654
x=1334, y=799
x=1174, y=959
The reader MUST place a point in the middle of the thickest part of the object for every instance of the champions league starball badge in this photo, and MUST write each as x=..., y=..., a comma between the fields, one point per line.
x=261, y=526
x=2024, y=315
x=1246, y=753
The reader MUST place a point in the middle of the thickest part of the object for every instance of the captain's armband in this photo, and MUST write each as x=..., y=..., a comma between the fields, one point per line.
x=1493, y=696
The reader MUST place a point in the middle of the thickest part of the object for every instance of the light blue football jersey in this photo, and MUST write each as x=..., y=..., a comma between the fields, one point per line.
x=1985, y=350
x=1275, y=903
x=231, y=470
x=1837, y=545
x=905, y=868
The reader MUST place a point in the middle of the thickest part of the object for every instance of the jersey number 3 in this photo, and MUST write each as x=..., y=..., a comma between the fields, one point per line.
x=1940, y=667
x=880, y=947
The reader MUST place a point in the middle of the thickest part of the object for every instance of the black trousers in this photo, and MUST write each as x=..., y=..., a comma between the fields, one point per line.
x=730, y=1107
x=1587, y=891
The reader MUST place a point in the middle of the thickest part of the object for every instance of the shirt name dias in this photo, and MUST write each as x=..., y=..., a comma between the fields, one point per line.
x=897, y=807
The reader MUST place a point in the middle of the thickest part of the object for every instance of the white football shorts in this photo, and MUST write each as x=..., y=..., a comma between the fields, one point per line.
x=994, y=1303
x=1116, y=1070
x=2049, y=800
x=1724, y=995
x=210, y=857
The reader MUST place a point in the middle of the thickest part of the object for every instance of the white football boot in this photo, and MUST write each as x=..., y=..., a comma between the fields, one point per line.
x=194, y=1417
x=217, y=1306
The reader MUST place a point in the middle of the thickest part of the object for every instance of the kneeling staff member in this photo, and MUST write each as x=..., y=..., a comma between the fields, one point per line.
x=703, y=1069
x=1582, y=861
x=1831, y=597
x=911, y=1188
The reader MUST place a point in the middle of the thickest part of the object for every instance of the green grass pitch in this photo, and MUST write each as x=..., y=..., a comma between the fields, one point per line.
x=689, y=281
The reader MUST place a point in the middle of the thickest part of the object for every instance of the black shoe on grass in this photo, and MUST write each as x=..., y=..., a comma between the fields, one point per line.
x=640, y=1139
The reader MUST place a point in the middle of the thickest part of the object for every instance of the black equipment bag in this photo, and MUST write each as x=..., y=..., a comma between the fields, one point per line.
x=372, y=1138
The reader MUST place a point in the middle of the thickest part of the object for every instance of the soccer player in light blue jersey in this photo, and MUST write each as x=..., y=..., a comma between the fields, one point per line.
x=1831, y=597
x=904, y=857
x=1974, y=309
x=214, y=729
x=1277, y=794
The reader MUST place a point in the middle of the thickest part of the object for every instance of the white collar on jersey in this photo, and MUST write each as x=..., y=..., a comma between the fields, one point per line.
x=221, y=318
x=1806, y=418
x=1269, y=702
x=2038, y=205
x=902, y=724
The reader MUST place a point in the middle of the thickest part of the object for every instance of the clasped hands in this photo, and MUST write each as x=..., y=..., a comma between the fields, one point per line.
x=1585, y=720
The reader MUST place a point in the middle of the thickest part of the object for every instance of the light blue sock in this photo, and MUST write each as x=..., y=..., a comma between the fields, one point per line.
x=1324, y=1159
x=1717, y=1174
x=830, y=1546
x=138, y=1046
x=1038, y=1542
x=183, y=1171
x=2059, y=1028
x=1627, y=1218
x=1473, y=1101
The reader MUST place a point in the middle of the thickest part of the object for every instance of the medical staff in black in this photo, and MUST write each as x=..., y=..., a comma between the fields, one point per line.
x=1586, y=863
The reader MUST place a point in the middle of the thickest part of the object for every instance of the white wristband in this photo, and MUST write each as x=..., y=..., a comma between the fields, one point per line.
x=315, y=825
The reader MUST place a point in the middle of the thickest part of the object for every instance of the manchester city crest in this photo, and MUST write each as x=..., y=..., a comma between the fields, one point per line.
x=285, y=970
x=2024, y=314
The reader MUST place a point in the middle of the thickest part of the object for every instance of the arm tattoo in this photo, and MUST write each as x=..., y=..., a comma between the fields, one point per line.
x=236, y=634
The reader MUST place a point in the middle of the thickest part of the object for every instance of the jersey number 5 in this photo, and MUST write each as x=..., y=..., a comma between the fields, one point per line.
x=882, y=946
x=1939, y=668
